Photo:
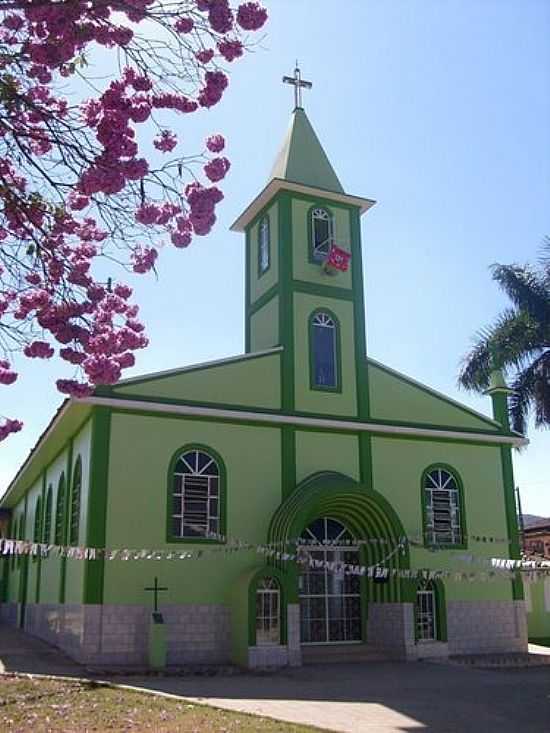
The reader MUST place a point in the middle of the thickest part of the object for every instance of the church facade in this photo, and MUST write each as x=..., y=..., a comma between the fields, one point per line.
x=352, y=475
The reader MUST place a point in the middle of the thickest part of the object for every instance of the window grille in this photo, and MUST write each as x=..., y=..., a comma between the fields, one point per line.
x=425, y=615
x=330, y=600
x=268, y=602
x=75, y=503
x=443, y=521
x=325, y=370
x=322, y=227
x=196, y=495
x=263, y=252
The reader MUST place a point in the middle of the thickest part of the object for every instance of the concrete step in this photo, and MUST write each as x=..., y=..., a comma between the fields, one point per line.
x=341, y=653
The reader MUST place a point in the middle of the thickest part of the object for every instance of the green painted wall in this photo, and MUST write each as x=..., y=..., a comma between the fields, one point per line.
x=537, y=593
x=301, y=267
x=392, y=398
x=264, y=326
x=74, y=579
x=141, y=450
x=50, y=567
x=250, y=382
x=397, y=472
x=260, y=285
x=327, y=452
x=306, y=399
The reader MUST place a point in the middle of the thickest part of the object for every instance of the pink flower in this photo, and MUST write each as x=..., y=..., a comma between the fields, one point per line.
x=7, y=376
x=216, y=169
x=184, y=25
x=148, y=214
x=9, y=426
x=230, y=50
x=78, y=201
x=181, y=239
x=144, y=259
x=220, y=16
x=251, y=16
x=215, y=143
x=211, y=93
x=205, y=56
x=71, y=355
x=166, y=141
x=74, y=388
x=38, y=350
x=123, y=291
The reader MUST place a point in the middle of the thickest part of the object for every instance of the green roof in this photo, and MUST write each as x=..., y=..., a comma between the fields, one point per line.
x=302, y=158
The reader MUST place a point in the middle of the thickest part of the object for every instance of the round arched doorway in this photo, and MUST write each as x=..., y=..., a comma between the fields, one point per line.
x=330, y=599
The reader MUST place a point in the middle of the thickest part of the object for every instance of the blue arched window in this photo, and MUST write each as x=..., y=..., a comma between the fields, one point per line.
x=324, y=351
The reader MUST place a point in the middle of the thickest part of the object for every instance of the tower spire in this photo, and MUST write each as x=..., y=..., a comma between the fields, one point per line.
x=298, y=83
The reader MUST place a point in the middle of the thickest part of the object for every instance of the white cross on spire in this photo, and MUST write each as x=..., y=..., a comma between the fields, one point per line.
x=298, y=85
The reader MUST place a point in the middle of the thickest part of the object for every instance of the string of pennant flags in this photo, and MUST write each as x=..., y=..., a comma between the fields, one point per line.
x=496, y=568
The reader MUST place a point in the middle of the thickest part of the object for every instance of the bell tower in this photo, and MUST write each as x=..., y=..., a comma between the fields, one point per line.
x=304, y=276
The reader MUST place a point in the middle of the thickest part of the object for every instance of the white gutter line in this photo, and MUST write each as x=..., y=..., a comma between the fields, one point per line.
x=312, y=422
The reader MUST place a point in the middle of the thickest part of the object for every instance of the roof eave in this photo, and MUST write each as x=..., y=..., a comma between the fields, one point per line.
x=278, y=184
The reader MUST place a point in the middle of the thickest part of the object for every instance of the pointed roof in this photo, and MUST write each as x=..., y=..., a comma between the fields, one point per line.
x=302, y=158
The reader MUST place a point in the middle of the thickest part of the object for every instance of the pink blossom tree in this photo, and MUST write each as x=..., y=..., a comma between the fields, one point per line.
x=75, y=185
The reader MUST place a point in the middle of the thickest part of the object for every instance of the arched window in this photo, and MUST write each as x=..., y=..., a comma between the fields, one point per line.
x=264, y=253
x=324, y=351
x=268, y=612
x=330, y=599
x=443, y=507
x=196, y=495
x=48, y=516
x=60, y=512
x=37, y=529
x=426, y=613
x=430, y=612
x=19, y=532
x=75, y=503
x=321, y=233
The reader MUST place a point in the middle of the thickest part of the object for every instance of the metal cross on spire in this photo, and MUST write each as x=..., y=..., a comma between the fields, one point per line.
x=298, y=85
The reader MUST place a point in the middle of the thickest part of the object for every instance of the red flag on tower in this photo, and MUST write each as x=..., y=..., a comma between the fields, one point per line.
x=338, y=258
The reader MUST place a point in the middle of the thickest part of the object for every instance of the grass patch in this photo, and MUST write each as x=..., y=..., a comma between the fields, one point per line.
x=52, y=706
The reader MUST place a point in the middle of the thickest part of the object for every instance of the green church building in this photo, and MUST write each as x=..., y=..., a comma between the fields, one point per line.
x=303, y=444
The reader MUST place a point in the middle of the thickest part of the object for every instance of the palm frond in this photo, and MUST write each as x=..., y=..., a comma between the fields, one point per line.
x=526, y=288
x=509, y=343
x=532, y=391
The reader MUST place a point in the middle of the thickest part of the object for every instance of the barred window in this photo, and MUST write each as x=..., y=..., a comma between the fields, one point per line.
x=322, y=233
x=60, y=512
x=263, y=246
x=268, y=611
x=37, y=534
x=75, y=503
x=426, y=629
x=196, y=495
x=442, y=498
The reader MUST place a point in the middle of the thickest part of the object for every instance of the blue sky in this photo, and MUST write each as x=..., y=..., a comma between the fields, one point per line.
x=438, y=110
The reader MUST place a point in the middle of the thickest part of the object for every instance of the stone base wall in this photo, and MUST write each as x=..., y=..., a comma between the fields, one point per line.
x=280, y=655
x=9, y=613
x=486, y=627
x=118, y=635
x=390, y=628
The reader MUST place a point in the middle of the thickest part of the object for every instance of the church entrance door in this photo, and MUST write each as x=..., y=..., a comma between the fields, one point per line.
x=330, y=602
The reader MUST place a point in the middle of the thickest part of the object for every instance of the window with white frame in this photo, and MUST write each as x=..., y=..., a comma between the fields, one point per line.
x=426, y=629
x=268, y=612
x=324, y=354
x=442, y=508
x=195, y=495
x=263, y=245
x=322, y=233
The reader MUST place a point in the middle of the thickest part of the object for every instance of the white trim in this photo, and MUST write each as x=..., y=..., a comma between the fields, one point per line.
x=200, y=365
x=435, y=392
x=276, y=184
x=313, y=422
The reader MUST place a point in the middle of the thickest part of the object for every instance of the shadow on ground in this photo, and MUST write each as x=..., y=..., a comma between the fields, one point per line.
x=381, y=697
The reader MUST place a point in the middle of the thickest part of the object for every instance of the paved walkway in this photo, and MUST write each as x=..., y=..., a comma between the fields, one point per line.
x=376, y=697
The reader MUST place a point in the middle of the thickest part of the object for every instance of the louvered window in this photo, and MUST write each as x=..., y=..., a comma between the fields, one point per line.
x=443, y=520
x=59, y=538
x=75, y=503
x=196, y=495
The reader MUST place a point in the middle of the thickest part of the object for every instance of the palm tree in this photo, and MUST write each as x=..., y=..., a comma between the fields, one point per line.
x=518, y=342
